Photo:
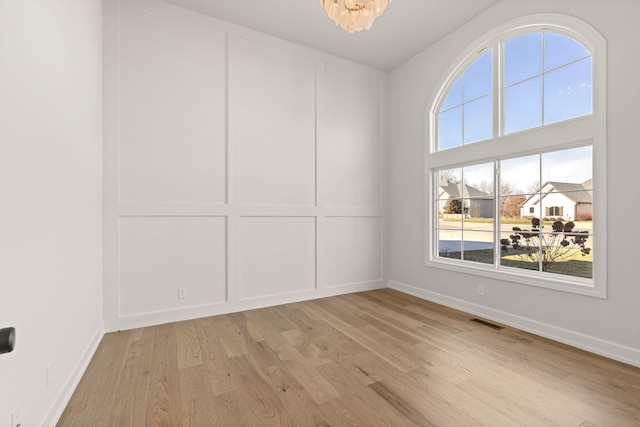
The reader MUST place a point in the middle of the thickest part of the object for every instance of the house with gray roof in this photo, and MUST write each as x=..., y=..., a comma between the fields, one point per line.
x=476, y=203
x=565, y=200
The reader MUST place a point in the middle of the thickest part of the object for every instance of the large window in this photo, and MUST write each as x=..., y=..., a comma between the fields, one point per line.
x=516, y=158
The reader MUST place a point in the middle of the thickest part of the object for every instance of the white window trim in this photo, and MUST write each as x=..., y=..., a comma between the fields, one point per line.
x=590, y=129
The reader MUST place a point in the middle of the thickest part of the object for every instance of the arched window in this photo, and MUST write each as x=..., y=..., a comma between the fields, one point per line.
x=517, y=157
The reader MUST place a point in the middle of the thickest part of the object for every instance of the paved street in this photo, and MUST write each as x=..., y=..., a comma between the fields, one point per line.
x=480, y=235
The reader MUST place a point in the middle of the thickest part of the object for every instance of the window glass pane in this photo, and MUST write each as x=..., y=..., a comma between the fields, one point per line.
x=567, y=253
x=584, y=206
x=479, y=213
x=478, y=78
x=520, y=248
x=554, y=231
x=571, y=169
x=451, y=212
x=450, y=198
x=450, y=176
x=522, y=58
x=450, y=244
x=568, y=92
x=567, y=205
x=478, y=246
x=520, y=175
x=478, y=119
x=478, y=180
x=454, y=96
x=478, y=224
x=523, y=105
x=560, y=50
x=513, y=211
x=450, y=128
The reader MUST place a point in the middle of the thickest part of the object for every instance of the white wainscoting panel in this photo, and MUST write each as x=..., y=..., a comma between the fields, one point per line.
x=351, y=148
x=243, y=168
x=277, y=126
x=172, y=88
x=158, y=255
x=277, y=256
x=354, y=250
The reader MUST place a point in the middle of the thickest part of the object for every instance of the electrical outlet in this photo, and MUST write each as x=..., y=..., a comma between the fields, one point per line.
x=49, y=375
x=182, y=293
x=480, y=289
x=15, y=418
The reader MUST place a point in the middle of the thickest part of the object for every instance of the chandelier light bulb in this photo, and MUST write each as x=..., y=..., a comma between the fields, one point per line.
x=354, y=15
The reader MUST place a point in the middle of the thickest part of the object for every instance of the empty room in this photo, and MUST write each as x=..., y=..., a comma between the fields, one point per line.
x=319, y=213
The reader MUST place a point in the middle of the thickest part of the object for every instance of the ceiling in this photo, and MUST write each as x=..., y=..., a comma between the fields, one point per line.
x=405, y=28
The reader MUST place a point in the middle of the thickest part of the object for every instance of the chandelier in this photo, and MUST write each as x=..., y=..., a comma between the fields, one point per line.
x=354, y=15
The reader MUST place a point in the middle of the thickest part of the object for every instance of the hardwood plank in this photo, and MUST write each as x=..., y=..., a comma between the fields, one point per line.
x=338, y=308
x=367, y=359
x=343, y=379
x=393, y=315
x=634, y=391
x=313, y=354
x=263, y=355
x=198, y=399
x=258, y=398
x=315, y=384
x=164, y=399
x=298, y=403
x=98, y=390
x=391, y=355
x=424, y=400
x=233, y=340
x=398, y=333
x=443, y=340
x=227, y=410
x=189, y=352
x=445, y=387
x=368, y=408
x=129, y=407
x=214, y=358
x=92, y=418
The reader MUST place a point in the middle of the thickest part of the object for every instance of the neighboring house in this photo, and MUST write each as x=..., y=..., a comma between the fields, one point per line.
x=476, y=203
x=560, y=200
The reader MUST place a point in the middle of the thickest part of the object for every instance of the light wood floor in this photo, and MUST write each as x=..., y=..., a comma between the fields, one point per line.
x=379, y=358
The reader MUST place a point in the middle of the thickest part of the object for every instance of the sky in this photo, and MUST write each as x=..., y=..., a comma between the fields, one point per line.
x=524, y=173
x=547, y=78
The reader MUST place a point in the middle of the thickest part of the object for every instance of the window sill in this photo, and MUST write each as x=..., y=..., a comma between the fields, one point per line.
x=552, y=281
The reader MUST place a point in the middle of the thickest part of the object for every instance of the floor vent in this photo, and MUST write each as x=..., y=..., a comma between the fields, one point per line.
x=489, y=324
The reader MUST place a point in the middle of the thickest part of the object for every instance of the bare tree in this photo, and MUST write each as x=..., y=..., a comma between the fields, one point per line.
x=510, y=206
x=534, y=187
x=449, y=175
x=544, y=249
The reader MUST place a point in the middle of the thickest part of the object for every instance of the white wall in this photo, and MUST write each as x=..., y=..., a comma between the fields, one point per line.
x=50, y=200
x=610, y=326
x=243, y=168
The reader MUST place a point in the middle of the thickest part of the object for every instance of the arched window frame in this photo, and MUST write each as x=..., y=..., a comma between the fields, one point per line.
x=580, y=131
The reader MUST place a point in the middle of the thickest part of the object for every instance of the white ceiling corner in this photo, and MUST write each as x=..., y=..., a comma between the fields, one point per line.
x=406, y=27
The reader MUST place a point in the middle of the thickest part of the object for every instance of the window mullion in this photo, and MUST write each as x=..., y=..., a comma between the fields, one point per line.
x=497, y=221
x=498, y=97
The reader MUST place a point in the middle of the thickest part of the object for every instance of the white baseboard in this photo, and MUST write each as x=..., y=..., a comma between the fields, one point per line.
x=595, y=345
x=60, y=403
x=187, y=313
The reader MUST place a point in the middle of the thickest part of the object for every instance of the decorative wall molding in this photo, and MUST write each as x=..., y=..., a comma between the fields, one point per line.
x=281, y=143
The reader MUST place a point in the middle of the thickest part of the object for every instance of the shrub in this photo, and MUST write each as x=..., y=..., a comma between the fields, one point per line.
x=541, y=248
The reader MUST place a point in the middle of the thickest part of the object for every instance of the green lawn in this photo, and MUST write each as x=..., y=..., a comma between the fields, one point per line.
x=576, y=265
